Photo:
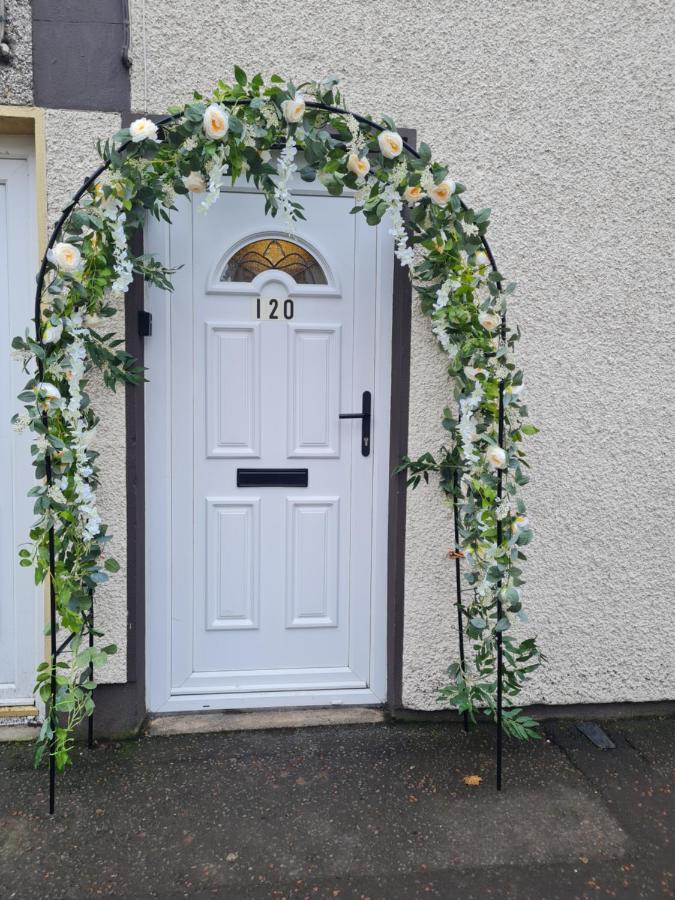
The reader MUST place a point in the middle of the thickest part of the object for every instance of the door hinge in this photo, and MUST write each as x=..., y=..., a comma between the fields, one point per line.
x=144, y=323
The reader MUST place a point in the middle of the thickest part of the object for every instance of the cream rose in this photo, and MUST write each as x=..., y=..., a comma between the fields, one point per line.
x=496, y=456
x=412, y=194
x=48, y=391
x=215, y=122
x=440, y=193
x=391, y=144
x=65, y=256
x=358, y=165
x=194, y=182
x=52, y=333
x=294, y=109
x=143, y=130
x=471, y=372
x=490, y=321
x=481, y=259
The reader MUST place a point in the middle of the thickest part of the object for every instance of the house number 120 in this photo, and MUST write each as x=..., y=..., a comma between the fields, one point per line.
x=273, y=309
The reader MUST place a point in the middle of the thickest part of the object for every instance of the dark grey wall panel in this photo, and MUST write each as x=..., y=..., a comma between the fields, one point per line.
x=77, y=55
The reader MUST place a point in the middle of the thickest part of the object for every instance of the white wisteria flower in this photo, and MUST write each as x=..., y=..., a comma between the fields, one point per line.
x=143, y=130
x=359, y=165
x=294, y=109
x=21, y=421
x=216, y=122
x=489, y=320
x=52, y=333
x=194, y=182
x=469, y=228
x=496, y=456
x=285, y=170
x=65, y=256
x=391, y=144
x=440, y=193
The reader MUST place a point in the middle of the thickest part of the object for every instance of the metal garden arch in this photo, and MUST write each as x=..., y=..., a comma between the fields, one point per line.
x=56, y=649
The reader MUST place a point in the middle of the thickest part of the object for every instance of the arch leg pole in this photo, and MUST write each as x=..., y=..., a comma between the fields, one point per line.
x=500, y=649
x=90, y=723
x=51, y=712
x=500, y=666
x=458, y=586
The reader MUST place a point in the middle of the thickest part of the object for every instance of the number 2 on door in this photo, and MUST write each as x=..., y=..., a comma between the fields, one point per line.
x=274, y=309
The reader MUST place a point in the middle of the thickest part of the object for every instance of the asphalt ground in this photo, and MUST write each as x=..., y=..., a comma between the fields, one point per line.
x=362, y=811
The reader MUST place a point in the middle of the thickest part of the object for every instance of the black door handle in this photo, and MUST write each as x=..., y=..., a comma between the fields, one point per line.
x=365, y=416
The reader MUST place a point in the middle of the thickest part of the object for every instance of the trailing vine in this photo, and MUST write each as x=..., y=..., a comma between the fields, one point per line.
x=232, y=134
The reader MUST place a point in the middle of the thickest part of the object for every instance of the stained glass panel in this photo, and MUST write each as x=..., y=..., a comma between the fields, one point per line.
x=274, y=253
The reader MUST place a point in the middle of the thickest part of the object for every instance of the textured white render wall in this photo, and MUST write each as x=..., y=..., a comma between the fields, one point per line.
x=71, y=156
x=558, y=115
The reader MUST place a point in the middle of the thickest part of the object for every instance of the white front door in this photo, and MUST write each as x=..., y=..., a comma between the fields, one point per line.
x=266, y=511
x=21, y=607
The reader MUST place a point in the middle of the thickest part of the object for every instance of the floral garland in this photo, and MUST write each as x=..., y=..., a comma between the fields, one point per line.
x=440, y=240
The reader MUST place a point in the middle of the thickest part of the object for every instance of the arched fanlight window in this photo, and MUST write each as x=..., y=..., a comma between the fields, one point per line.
x=274, y=253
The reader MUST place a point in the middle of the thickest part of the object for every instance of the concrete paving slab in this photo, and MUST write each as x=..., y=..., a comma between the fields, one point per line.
x=205, y=723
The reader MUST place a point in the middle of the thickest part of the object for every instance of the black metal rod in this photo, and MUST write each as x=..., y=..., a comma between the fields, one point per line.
x=65, y=643
x=500, y=649
x=458, y=583
x=90, y=723
x=51, y=712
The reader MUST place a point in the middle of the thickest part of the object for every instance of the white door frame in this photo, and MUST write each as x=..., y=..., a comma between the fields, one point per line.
x=158, y=241
x=27, y=642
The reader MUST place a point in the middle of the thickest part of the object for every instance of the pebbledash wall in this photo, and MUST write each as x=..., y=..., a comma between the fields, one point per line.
x=557, y=115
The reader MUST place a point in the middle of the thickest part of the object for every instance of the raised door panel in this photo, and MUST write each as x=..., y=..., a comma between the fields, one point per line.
x=314, y=374
x=232, y=390
x=232, y=564
x=312, y=562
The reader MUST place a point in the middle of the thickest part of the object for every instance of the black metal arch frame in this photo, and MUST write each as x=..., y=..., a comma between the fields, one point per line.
x=55, y=650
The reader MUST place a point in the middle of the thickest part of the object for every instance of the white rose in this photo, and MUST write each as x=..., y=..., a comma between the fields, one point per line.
x=194, y=182
x=358, y=165
x=440, y=193
x=294, y=109
x=215, y=122
x=391, y=144
x=472, y=372
x=496, y=456
x=413, y=194
x=143, y=130
x=52, y=333
x=65, y=256
x=481, y=259
x=490, y=321
x=48, y=391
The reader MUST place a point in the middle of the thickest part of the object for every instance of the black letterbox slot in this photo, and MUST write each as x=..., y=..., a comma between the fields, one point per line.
x=272, y=477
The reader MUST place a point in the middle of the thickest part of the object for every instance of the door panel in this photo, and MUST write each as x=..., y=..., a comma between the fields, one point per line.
x=270, y=587
x=21, y=604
